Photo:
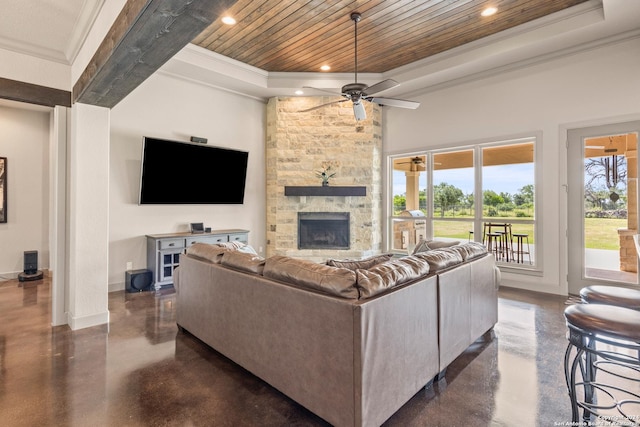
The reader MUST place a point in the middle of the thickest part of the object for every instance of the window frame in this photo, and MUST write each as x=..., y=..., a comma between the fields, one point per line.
x=477, y=146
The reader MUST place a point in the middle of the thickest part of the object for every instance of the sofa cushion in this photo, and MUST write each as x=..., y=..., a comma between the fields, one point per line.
x=211, y=253
x=365, y=263
x=336, y=281
x=429, y=245
x=237, y=246
x=470, y=250
x=243, y=261
x=440, y=259
x=387, y=275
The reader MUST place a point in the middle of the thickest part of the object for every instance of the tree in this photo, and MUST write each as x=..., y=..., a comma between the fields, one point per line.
x=599, y=172
x=491, y=198
x=399, y=203
x=422, y=200
x=446, y=195
x=605, y=176
x=524, y=196
x=468, y=200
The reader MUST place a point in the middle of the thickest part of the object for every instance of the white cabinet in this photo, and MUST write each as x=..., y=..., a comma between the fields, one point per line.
x=163, y=250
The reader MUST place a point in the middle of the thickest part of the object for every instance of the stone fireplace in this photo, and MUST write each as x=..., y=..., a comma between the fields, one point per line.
x=297, y=144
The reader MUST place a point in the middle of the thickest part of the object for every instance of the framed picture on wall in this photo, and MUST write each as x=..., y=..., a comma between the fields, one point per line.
x=3, y=189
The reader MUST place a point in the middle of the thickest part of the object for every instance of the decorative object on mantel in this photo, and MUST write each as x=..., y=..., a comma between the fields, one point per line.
x=325, y=174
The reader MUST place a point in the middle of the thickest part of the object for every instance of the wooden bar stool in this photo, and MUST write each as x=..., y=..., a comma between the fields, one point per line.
x=518, y=249
x=493, y=244
x=497, y=237
x=603, y=336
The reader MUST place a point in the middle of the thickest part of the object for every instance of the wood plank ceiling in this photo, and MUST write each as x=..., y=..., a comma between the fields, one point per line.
x=302, y=35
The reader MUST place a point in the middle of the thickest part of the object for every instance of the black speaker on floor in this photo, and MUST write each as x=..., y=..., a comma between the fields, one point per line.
x=138, y=280
x=30, y=262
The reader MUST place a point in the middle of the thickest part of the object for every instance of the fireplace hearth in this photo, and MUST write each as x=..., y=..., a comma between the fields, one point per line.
x=323, y=230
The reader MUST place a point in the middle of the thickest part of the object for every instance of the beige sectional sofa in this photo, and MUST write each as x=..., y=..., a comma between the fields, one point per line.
x=352, y=341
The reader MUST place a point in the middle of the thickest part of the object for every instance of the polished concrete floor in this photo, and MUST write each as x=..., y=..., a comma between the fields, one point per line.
x=140, y=371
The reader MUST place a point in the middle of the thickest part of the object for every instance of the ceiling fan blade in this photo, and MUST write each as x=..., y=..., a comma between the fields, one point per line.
x=380, y=86
x=323, y=90
x=322, y=105
x=402, y=103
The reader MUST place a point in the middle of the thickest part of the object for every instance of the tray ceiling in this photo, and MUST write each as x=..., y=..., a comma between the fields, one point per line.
x=302, y=35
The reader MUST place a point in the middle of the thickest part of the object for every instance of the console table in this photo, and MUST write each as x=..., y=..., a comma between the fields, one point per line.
x=163, y=250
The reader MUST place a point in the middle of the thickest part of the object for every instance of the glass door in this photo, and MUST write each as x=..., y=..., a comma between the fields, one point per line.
x=603, y=205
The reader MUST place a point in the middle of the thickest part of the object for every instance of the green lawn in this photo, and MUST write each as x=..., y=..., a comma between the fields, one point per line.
x=600, y=233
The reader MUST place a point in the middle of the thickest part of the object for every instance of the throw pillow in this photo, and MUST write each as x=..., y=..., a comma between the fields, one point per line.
x=471, y=250
x=364, y=264
x=421, y=247
x=428, y=245
x=237, y=246
x=441, y=259
x=339, y=282
x=389, y=274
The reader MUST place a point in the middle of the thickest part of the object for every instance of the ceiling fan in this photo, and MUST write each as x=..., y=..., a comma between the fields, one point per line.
x=358, y=92
x=416, y=163
x=414, y=160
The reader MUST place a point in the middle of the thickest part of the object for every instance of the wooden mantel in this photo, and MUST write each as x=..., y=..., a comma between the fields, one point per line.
x=325, y=191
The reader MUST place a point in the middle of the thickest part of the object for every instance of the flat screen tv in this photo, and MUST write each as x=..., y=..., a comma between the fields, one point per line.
x=184, y=173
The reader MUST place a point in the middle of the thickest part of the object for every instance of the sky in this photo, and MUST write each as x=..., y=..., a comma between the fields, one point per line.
x=504, y=178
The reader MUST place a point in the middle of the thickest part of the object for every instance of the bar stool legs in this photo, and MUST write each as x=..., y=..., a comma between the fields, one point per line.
x=606, y=339
x=494, y=244
x=518, y=250
x=499, y=240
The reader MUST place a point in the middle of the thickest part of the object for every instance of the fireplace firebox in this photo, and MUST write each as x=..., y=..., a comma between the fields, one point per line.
x=323, y=230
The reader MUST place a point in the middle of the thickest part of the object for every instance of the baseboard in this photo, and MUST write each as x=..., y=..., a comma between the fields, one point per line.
x=535, y=287
x=10, y=275
x=76, y=323
x=114, y=287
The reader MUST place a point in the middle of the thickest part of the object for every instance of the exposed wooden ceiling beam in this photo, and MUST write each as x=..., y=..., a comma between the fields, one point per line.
x=146, y=34
x=33, y=94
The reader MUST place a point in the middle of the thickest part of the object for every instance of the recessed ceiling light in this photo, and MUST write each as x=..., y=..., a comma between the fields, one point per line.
x=299, y=92
x=489, y=11
x=228, y=20
x=325, y=68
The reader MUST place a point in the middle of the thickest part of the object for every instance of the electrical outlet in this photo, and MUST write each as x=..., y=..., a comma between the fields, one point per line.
x=260, y=250
x=129, y=266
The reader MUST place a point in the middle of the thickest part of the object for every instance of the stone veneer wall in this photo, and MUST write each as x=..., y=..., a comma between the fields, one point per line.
x=296, y=146
x=628, y=254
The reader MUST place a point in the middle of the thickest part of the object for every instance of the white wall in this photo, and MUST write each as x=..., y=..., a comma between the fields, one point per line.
x=592, y=87
x=170, y=108
x=24, y=141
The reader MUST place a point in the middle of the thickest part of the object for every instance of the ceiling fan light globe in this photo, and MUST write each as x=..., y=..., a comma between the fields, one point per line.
x=358, y=111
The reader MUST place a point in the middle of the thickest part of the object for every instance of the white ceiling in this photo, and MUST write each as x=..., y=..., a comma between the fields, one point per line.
x=56, y=29
x=48, y=29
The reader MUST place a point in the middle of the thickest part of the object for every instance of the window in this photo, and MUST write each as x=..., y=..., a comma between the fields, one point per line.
x=453, y=195
x=409, y=204
x=484, y=193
